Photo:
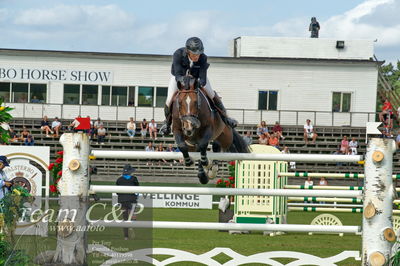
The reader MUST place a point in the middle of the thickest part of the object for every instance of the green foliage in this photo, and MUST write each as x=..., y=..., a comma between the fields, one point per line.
x=56, y=173
x=395, y=260
x=5, y=117
x=392, y=74
x=9, y=256
x=230, y=181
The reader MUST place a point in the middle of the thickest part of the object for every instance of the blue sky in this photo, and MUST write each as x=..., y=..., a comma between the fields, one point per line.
x=159, y=26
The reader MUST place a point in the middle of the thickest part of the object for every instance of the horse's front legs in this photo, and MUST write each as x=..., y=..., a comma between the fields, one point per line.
x=180, y=141
x=203, y=162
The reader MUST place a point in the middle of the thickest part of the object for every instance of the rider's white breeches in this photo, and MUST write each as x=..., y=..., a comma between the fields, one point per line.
x=173, y=87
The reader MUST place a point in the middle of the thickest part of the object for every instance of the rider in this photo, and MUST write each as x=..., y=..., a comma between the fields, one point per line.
x=191, y=59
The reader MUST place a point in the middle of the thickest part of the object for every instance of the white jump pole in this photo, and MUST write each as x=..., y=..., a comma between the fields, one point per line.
x=229, y=226
x=227, y=156
x=312, y=199
x=225, y=191
x=378, y=234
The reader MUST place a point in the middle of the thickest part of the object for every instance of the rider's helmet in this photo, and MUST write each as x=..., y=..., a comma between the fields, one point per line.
x=195, y=45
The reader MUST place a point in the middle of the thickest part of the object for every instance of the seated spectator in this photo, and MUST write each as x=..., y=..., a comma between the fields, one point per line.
x=263, y=139
x=131, y=102
x=308, y=182
x=248, y=139
x=160, y=148
x=353, y=145
x=344, y=145
x=338, y=152
x=149, y=147
x=309, y=132
x=24, y=134
x=144, y=126
x=131, y=128
x=274, y=141
x=56, y=127
x=171, y=148
x=262, y=129
x=323, y=182
x=277, y=129
x=286, y=151
x=13, y=135
x=387, y=110
x=153, y=129
x=29, y=141
x=101, y=134
x=45, y=126
x=74, y=124
x=97, y=125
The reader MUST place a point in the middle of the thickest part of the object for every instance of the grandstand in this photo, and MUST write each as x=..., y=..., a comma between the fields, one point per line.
x=328, y=141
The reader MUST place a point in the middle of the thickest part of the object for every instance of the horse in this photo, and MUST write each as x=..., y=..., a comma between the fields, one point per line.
x=196, y=122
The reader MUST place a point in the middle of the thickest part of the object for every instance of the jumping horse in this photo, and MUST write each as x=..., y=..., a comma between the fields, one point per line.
x=196, y=123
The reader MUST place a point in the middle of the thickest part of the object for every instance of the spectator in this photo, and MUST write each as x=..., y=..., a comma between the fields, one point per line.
x=277, y=129
x=286, y=151
x=24, y=134
x=29, y=141
x=45, y=126
x=144, y=126
x=248, y=139
x=127, y=201
x=149, y=147
x=338, y=152
x=131, y=128
x=398, y=113
x=4, y=183
x=387, y=110
x=309, y=132
x=101, y=134
x=74, y=124
x=308, y=182
x=131, y=102
x=56, y=127
x=274, y=141
x=171, y=148
x=153, y=129
x=323, y=182
x=344, y=145
x=263, y=139
x=160, y=148
x=35, y=99
x=97, y=125
x=262, y=129
x=353, y=145
x=13, y=135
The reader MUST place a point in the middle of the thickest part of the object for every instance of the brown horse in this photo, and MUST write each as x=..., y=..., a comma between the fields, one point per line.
x=196, y=123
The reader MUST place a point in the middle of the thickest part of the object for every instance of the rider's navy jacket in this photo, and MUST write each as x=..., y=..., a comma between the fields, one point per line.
x=181, y=63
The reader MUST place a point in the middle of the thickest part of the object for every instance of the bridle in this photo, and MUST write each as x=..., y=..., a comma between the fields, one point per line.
x=196, y=90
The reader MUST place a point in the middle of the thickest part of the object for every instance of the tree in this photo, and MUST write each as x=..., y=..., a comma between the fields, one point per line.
x=392, y=74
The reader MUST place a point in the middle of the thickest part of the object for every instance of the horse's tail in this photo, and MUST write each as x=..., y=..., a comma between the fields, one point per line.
x=238, y=144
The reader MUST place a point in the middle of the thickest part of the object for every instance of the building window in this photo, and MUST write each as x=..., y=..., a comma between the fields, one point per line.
x=131, y=96
x=119, y=96
x=71, y=93
x=5, y=91
x=267, y=100
x=161, y=96
x=145, y=98
x=38, y=93
x=19, y=92
x=89, y=94
x=341, y=102
x=105, y=95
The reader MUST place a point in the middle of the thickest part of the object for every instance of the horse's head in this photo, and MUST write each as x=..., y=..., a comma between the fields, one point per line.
x=188, y=101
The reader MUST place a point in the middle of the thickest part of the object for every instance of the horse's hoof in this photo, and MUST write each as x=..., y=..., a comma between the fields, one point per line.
x=203, y=177
x=188, y=162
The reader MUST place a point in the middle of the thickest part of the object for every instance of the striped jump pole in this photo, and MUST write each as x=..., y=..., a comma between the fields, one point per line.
x=322, y=209
x=324, y=187
x=226, y=156
x=229, y=226
x=318, y=199
x=225, y=191
x=324, y=205
x=328, y=175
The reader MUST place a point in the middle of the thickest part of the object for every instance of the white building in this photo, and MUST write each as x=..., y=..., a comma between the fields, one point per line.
x=286, y=79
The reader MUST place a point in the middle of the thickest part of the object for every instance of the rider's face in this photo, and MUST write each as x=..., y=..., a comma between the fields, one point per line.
x=194, y=57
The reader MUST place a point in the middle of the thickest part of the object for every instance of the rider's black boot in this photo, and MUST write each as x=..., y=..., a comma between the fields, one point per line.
x=166, y=127
x=229, y=121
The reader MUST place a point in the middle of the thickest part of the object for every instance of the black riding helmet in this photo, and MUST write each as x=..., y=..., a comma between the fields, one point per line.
x=195, y=45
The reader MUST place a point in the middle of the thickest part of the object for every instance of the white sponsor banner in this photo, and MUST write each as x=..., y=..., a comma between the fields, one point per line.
x=183, y=201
